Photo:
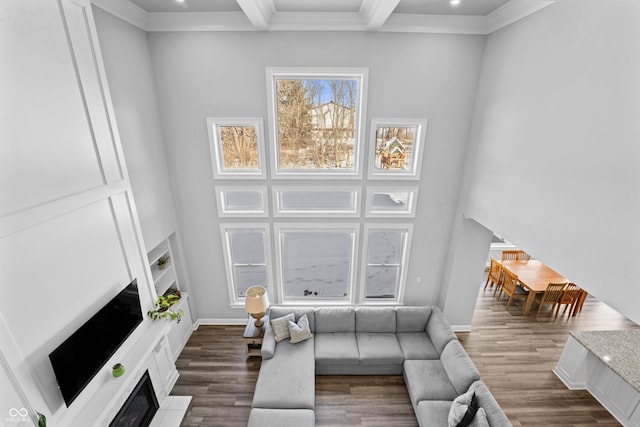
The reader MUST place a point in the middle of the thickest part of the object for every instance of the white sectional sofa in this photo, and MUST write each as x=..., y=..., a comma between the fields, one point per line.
x=416, y=342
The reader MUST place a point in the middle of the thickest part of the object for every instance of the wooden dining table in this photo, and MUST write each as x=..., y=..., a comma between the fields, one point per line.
x=534, y=276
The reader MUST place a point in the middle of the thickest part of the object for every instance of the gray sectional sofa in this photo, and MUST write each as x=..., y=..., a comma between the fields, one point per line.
x=416, y=342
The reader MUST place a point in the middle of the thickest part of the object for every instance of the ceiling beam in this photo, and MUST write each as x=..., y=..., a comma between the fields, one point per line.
x=376, y=12
x=259, y=12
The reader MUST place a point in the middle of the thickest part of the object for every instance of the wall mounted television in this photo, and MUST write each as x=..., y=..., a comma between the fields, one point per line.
x=81, y=356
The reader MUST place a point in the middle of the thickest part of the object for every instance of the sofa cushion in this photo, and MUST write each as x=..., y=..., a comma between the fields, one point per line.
x=417, y=345
x=337, y=348
x=335, y=319
x=438, y=329
x=433, y=413
x=463, y=409
x=412, y=319
x=260, y=417
x=280, y=326
x=376, y=319
x=287, y=381
x=280, y=310
x=459, y=367
x=427, y=380
x=495, y=415
x=379, y=349
x=300, y=331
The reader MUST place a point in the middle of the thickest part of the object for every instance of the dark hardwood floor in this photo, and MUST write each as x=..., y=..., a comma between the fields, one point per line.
x=514, y=354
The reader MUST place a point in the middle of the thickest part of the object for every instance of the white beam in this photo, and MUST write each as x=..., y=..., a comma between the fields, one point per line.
x=259, y=12
x=376, y=12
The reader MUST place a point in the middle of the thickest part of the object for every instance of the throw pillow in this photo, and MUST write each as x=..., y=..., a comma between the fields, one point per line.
x=480, y=419
x=280, y=326
x=461, y=407
x=300, y=331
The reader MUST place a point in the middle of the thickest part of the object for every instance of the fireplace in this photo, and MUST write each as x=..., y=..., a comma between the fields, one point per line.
x=140, y=407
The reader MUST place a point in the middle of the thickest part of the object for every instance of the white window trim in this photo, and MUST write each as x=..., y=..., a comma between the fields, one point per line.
x=279, y=211
x=402, y=281
x=418, y=149
x=215, y=148
x=353, y=229
x=412, y=202
x=360, y=74
x=223, y=211
x=234, y=300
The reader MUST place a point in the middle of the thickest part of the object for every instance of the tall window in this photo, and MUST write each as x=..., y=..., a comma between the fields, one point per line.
x=316, y=118
x=384, y=270
x=316, y=262
x=246, y=253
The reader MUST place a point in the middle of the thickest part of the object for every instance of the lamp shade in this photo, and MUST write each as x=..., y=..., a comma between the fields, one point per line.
x=256, y=300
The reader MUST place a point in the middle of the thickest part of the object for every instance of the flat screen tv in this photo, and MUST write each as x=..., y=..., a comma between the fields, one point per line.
x=79, y=358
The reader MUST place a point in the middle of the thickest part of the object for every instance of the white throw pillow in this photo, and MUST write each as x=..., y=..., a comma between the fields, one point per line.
x=480, y=420
x=300, y=331
x=280, y=326
x=459, y=408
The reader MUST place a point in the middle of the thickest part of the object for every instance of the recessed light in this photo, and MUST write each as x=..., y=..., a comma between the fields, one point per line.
x=182, y=1
x=454, y=2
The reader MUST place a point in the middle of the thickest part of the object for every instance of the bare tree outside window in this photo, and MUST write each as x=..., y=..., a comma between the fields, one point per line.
x=239, y=147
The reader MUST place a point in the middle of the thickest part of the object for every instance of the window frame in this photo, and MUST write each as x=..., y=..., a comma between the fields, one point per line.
x=352, y=229
x=225, y=211
x=234, y=300
x=409, y=212
x=215, y=147
x=403, y=264
x=320, y=73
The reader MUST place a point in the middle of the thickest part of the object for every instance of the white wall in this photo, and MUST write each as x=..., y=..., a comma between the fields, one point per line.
x=200, y=75
x=556, y=133
x=125, y=51
x=69, y=235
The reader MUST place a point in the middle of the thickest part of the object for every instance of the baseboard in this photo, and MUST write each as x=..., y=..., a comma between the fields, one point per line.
x=571, y=385
x=461, y=328
x=214, y=321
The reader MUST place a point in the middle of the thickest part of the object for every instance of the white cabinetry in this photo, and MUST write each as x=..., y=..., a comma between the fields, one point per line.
x=165, y=280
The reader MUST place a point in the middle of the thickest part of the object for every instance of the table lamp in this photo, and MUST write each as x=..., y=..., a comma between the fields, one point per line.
x=256, y=303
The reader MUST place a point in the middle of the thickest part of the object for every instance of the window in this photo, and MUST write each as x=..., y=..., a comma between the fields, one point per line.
x=316, y=201
x=389, y=202
x=396, y=150
x=237, y=147
x=384, y=272
x=241, y=201
x=316, y=262
x=247, y=258
x=316, y=119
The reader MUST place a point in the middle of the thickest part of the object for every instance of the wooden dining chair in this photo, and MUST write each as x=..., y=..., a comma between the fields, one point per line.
x=569, y=298
x=495, y=273
x=551, y=296
x=510, y=287
x=515, y=255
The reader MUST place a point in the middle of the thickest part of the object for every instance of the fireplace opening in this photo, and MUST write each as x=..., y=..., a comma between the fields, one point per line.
x=140, y=407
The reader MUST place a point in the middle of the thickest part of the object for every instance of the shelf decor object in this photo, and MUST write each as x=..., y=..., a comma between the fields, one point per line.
x=256, y=303
x=117, y=370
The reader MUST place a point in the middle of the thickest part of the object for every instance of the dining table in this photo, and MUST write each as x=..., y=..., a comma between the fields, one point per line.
x=534, y=276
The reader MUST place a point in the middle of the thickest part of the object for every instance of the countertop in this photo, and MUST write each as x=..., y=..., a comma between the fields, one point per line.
x=620, y=350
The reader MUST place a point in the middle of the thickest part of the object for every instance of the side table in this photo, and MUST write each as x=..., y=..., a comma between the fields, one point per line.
x=253, y=336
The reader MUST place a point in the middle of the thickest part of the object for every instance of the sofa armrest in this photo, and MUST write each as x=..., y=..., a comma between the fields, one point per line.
x=439, y=330
x=268, y=343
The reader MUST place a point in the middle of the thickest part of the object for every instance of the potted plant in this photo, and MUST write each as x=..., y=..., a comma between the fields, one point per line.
x=163, y=308
x=162, y=261
x=42, y=420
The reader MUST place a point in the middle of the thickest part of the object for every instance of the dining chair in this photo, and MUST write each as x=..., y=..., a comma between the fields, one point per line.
x=569, y=298
x=495, y=272
x=577, y=307
x=551, y=296
x=515, y=255
x=510, y=287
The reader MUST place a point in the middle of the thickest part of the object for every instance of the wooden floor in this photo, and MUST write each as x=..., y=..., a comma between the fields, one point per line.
x=514, y=354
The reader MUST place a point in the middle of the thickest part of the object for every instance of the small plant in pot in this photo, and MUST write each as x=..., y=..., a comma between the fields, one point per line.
x=162, y=262
x=163, y=308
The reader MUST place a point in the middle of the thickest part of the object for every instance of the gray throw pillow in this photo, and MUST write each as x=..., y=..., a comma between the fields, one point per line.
x=300, y=331
x=459, y=408
x=280, y=326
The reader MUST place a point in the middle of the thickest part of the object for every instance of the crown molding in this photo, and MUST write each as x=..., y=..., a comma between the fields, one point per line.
x=374, y=15
x=514, y=11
